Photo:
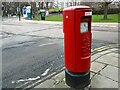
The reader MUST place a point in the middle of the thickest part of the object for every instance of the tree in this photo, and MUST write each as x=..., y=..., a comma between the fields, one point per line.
x=119, y=4
x=105, y=6
x=44, y=4
x=90, y=4
x=10, y=8
x=47, y=7
x=74, y=3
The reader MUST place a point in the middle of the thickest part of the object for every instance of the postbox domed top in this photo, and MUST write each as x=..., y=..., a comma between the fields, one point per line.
x=77, y=8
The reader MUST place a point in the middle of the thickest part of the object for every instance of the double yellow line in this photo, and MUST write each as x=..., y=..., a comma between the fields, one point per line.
x=106, y=47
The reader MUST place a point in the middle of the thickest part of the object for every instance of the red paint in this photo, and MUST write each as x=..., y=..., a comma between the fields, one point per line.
x=77, y=45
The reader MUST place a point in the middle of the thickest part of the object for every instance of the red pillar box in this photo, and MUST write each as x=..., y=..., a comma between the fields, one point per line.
x=77, y=45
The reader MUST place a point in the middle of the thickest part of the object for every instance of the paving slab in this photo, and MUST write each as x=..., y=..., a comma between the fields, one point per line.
x=91, y=75
x=47, y=84
x=99, y=81
x=94, y=57
x=96, y=67
x=62, y=84
x=114, y=49
x=110, y=72
x=108, y=60
x=59, y=76
x=114, y=54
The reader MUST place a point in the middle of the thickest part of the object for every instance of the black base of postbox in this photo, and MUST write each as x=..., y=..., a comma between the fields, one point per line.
x=77, y=80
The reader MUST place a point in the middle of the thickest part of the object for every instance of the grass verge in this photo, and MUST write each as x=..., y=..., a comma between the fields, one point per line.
x=95, y=18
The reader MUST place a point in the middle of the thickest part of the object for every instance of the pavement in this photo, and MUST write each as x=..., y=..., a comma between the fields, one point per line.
x=60, y=23
x=104, y=72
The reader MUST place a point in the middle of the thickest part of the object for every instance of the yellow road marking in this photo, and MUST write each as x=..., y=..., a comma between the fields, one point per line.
x=100, y=47
x=106, y=47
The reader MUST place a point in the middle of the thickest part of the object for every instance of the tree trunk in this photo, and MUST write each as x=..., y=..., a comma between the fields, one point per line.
x=47, y=9
x=42, y=5
x=105, y=12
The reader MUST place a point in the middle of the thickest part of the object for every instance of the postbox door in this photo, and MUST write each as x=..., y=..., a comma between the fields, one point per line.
x=83, y=41
x=69, y=40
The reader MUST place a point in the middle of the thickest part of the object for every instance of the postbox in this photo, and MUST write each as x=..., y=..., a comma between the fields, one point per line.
x=77, y=45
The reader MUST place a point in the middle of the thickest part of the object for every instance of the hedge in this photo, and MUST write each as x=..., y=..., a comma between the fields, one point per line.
x=94, y=11
x=110, y=11
x=55, y=10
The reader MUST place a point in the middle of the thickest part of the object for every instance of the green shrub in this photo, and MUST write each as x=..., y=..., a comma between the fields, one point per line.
x=55, y=10
x=95, y=11
x=110, y=11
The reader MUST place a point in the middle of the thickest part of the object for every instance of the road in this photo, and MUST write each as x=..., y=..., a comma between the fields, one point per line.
x=32, y=51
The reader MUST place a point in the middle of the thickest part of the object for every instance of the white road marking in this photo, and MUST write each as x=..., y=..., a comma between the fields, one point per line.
x=25, y=80
x=45, y=73
x=46, y=44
